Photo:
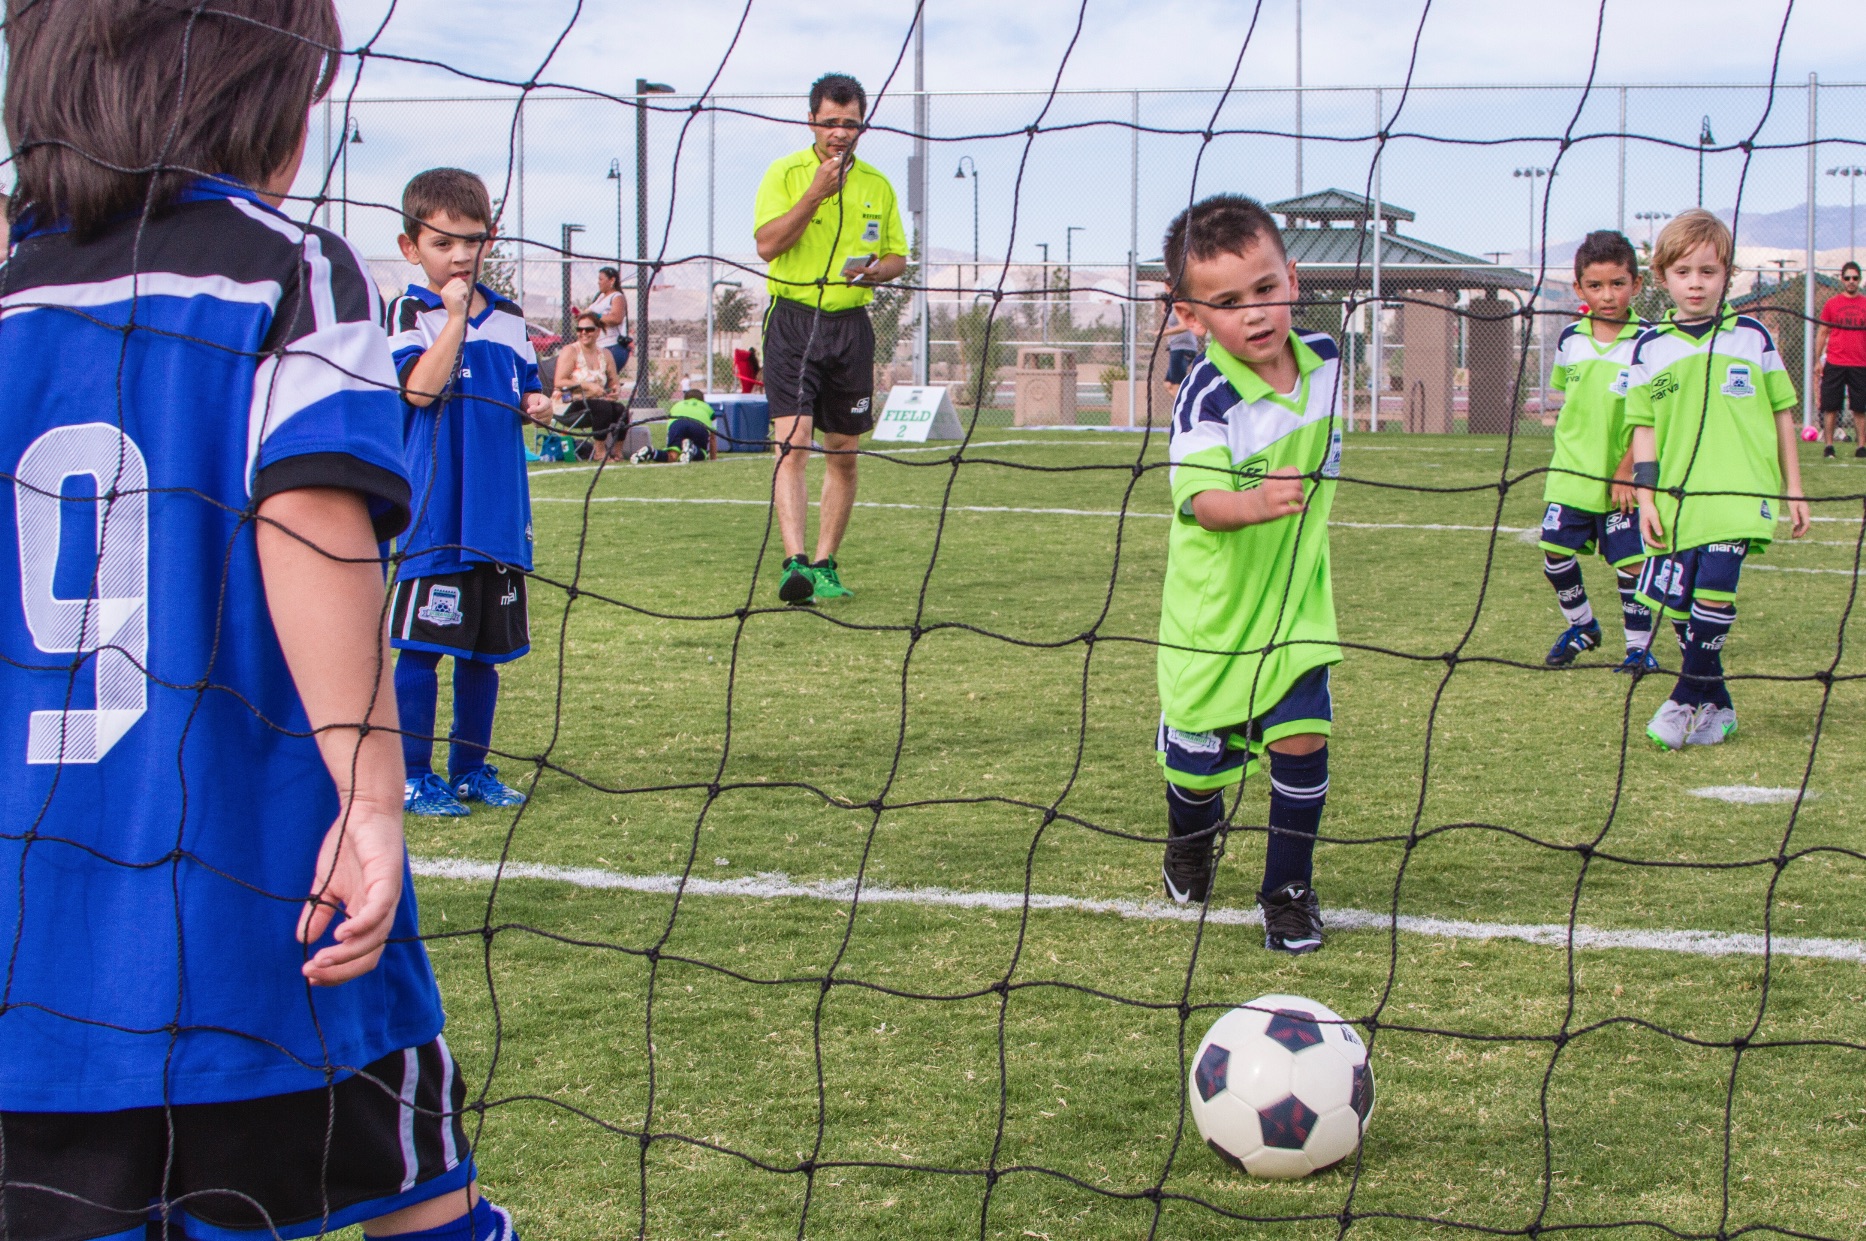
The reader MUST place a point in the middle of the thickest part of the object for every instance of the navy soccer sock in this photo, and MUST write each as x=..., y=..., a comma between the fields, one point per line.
x=1679, y=627
x=1564, y=574
x=1636, y=615
x=1298, y=790
x=476, y=697
x=416, y=688
x=1704, y=639
x=1190, y=811
x=485, y=1222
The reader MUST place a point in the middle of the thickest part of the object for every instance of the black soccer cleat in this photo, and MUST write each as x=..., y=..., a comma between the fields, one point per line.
x=1292, y=919
x=1188, y=869
x=1573, y=640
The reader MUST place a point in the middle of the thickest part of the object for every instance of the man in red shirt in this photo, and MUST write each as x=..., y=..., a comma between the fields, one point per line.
x=1840, y=359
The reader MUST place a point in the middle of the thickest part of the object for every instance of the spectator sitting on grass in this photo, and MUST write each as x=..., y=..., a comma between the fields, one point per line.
x=689, y=432
x=586, y=381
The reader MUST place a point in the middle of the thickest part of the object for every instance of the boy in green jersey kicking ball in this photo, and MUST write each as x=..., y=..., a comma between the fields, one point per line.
x=1714, y=455
x=1589, y=492
x=1247, y=621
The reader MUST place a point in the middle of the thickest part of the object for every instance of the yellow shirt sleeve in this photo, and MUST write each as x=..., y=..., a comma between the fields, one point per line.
x=774, y=194
x=893, y=235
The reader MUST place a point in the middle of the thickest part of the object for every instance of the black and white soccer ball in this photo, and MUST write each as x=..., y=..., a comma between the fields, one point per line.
x=1281, y=1087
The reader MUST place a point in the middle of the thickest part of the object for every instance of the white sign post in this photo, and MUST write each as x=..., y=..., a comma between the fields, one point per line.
x=918, y=414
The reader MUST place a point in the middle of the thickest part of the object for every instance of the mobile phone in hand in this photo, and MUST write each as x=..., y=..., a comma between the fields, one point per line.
x=855, y=263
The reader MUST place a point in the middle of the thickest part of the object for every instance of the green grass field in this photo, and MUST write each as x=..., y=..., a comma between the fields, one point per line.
x=1519, y=1084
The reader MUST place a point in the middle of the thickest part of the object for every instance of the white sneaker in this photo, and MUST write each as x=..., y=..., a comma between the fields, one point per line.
x=1673, y=724
x=640, y=455
x=687, y=454
x=1715, y=725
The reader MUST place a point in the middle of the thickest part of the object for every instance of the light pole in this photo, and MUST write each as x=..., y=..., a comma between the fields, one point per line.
x=1069, y=266
x=1704, y=140
x=1852, y=175
x=712, y=291
x=1045, y=311
x=353, y=134
x=964, y=162
x=1651, y=218
x=1531, y=176
x=570, y=231
x=615, y=174
x=643, y=88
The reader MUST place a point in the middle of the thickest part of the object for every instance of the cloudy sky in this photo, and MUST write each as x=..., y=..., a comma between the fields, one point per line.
x=1075, y=186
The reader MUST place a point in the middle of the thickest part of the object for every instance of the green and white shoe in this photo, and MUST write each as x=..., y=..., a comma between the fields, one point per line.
x=1715, y=725
x=798, y=583
x=829, y=587
x=1674, y=724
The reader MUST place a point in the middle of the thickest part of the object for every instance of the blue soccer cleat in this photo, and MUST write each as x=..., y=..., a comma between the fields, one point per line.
x=1574, y=640
x=1638, y=663
x=428, y=795
x=482, y=785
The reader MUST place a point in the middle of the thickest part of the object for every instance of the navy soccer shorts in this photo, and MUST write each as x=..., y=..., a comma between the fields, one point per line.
x=1570, y=531
x=479, y=614
x=1211, y=760
x=688, y=431
x=291, y=1165
x=1709, y=572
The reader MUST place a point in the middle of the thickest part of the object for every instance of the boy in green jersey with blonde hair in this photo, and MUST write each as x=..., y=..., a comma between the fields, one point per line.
x=1589, y=491
x=1247, y=619
x=1715, y=458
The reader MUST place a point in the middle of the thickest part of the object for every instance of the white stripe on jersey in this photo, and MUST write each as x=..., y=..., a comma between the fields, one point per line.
x=147, y=284
x=341, y=357
x=498, y=327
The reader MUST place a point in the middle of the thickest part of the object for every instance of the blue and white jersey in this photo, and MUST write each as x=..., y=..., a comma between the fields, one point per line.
x=466, y=455
x=161, y=801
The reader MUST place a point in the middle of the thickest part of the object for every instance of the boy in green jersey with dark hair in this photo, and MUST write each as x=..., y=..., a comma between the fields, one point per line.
x=1247, y=620
x=1715, y=455
x=1589, y=491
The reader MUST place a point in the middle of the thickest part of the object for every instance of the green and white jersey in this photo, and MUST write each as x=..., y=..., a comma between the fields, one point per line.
x=1591, y=436
x=1711, y=402
x=1246, y=613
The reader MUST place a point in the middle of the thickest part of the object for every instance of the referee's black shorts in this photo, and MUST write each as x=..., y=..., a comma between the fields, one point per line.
x=820, y=364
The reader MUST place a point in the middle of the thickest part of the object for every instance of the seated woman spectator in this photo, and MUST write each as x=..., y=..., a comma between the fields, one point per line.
x=587, y=383
x=610, y=306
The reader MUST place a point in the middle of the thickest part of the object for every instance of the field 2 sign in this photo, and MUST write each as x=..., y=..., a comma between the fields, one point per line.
x=918, y=414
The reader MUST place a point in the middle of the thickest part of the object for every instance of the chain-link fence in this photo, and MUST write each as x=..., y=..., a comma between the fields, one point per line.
x=1485, y=192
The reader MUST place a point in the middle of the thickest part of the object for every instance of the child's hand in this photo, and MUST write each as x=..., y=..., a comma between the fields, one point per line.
x=1798, y=518
x=1624, y=497
x=1651, y=529
x=537, y=407
x=359, y=868
x=1281, y=494
x=457, y=296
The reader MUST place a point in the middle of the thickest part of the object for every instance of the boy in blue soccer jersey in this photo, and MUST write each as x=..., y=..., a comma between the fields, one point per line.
x=1715, y=458
x=1247, y=619
x=199, y=428
x=1589, y=490
x=469, y=380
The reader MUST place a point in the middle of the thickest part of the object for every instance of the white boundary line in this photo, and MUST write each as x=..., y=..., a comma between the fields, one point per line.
x=779, y=886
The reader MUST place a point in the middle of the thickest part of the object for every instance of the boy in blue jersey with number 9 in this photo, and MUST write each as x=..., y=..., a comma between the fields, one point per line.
x=470, y=379
x=218, y=1019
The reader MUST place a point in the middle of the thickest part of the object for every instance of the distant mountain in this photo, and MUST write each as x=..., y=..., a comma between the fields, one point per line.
x=1776, y=230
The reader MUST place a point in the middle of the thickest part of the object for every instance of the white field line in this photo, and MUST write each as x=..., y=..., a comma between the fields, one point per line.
x=779, y=886
x=1751, y=795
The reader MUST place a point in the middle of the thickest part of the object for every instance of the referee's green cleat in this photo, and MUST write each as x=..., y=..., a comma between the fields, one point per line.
x=829, y=587
x=798, y=585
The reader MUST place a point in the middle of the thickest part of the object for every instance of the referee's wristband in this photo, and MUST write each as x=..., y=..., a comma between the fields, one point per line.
x=1646, y=475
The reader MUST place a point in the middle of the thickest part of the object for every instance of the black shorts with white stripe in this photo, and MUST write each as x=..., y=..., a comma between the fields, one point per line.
x=289, y=1165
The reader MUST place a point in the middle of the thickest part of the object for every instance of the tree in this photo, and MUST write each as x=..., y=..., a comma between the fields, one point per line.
x=732, y=310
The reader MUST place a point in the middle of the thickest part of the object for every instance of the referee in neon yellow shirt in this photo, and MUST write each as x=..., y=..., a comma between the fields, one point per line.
x=830, y=228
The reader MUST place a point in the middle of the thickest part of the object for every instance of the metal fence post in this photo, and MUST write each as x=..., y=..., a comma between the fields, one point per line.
x=324, y=186
x=712, y=143
x=1376, y=341
x=1808, y=274
x=521, y=203
x=1620, y=215
x=1133, y=259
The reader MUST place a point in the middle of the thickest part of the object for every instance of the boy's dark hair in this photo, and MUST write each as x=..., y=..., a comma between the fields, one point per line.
x=1221, y=224
x=1847, y=264
x=837, y=88
x=694, y=394
x=100, y=93
x=1604, y=245
x=456, y=191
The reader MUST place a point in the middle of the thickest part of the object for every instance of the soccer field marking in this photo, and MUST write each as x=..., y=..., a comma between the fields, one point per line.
x=839, y=891
x=1751, y=795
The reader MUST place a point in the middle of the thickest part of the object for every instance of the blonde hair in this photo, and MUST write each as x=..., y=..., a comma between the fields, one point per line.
x=1686, y=232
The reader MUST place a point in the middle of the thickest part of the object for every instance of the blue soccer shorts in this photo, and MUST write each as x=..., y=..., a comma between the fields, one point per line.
x=1669, y=583
x=1212, y=760
x=1570, y=531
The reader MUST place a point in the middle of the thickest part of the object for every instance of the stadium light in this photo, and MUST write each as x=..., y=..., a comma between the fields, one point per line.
x=354, y=135
x=643, y=88
x=1852, y=174
x=1651, y=218
x=615, y=174
x=1704, y=140
x=964, y=161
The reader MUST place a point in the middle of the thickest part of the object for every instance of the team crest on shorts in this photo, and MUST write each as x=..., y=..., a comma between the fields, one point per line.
x=1737, y=382
x=1195, y=743
x=1551, y=520
x=442, y=607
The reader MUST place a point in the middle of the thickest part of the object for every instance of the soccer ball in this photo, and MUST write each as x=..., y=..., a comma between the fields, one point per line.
x=1810, y=434
x=1281, y=1087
